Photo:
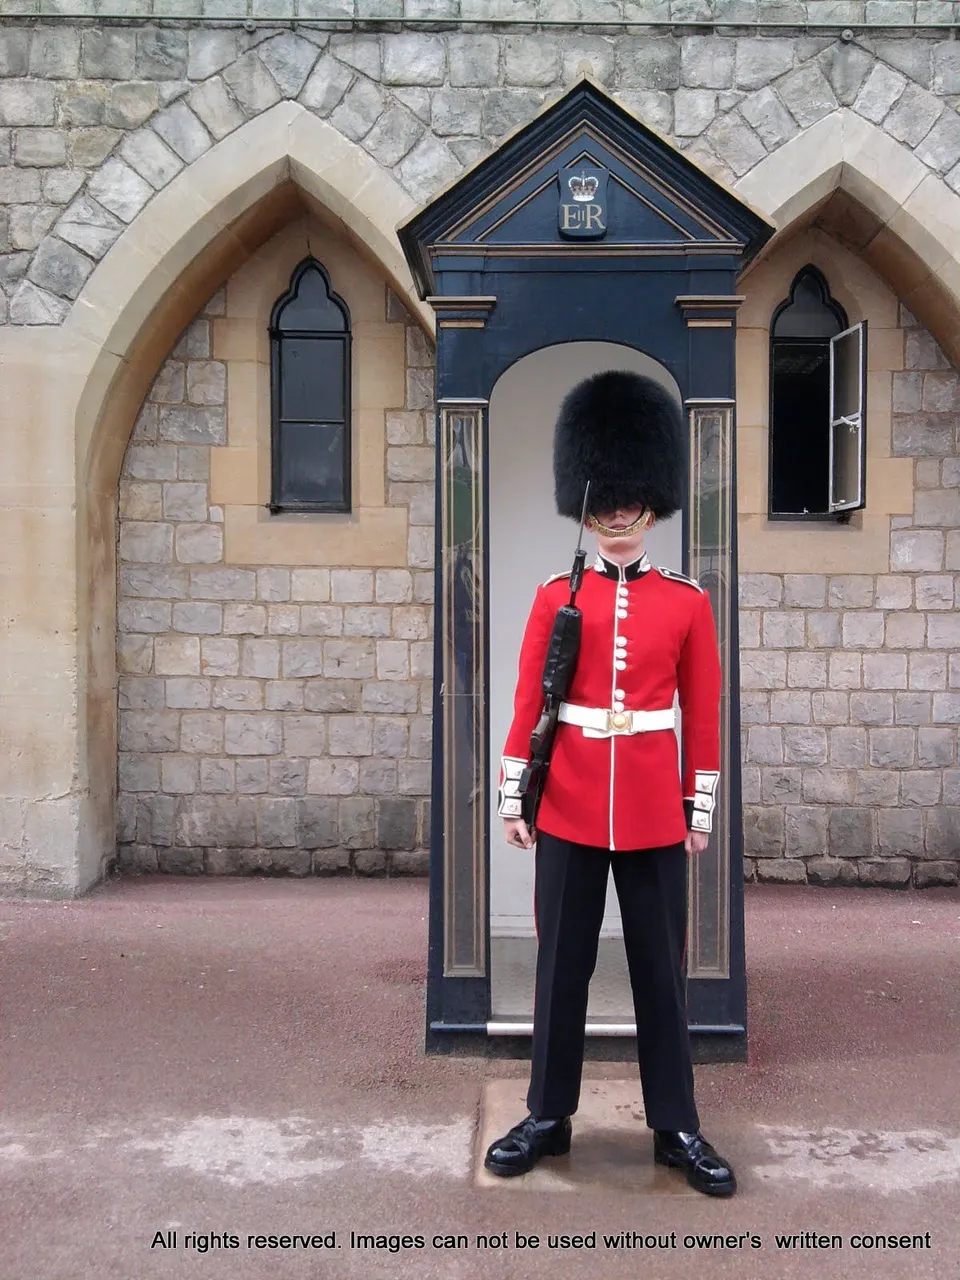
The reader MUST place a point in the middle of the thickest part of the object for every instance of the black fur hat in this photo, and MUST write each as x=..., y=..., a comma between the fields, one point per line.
x=624, y=433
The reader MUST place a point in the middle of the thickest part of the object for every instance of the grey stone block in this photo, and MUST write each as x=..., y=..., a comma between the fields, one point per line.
x=215, y=108
x=392, y=736
x=151, y=616
x=894, y=748
x=413, y=777
x=140, y=693
x=370, y=862
x=367, y=620
x=474, y=61
x=89, y=226
x=201, y=619
x=850, y=833
x=831, y=785
x=217, y=820
x=357, y=822
x=936, y=747
x=759, y=670
x=326, y=86
x=156, y=816
x=912, y=57
x=846, y=66
x=830, y=708
x=390, y=696
x=182, y=131
x=784, y=629
x=410, y=863
x=253, y=777
x=927, y=875
x=863, y=630
x=332, y=695
x=326, y=777
x=59, y=268
x=149, y=731
x=781, y=871
x=848, y=746
x=108, y=54
x=913, y=116
x=942, y=832
x=188, y=695
x=780, y=786
x=393, y=136
x=763, y=831
x=134, y=654
x=184, y=501
x=137, y=772
x=531, y=61
x=806, y=670
x=350, y=735
x=238, y=695
x=905, y=631
x=804, y=745
x=179, y=774
x=146, y=542
x=201, y=732
x=120, y=190
x=760, y=591
x=209, y=51
x=921, y=787
x=180, y=862
x=252, y=735
x=318, y=823
x=277, y=822
x=304, y=735
x=888, y=873
x=790, y=707
x=289, y=59
x=913, y=708
x=149, y=155
x=193, y=424
x=884, y=671
x=927, y=671
x=396, y=824
x=831, y=871
x=361, y=108
x=161, y=54
x=349, y=659
x=823, y=630
x=40, y=147
x=922, y=435
x=223, y=584
x=251, y=84
x=217, y=776
x=378, y=777
x=871, y=708
x=881, y=89
x=807, y=95
x=198, y=543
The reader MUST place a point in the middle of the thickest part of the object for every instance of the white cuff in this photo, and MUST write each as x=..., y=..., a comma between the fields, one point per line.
x=509, y=794
x=704, y=800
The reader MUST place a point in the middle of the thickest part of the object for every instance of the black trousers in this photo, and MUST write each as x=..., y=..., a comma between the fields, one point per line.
x=569, y=897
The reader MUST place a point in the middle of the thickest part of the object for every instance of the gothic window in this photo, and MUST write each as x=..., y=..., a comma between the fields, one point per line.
x=310, y=395
x=818, y=393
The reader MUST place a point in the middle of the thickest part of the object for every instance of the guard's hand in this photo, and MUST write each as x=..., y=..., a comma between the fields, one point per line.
x=517, y=834
x=696, y=842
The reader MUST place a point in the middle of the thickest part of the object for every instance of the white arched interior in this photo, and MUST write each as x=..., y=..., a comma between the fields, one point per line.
x=529, y=542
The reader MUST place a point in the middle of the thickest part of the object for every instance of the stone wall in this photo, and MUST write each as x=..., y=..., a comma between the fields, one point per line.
x=272, y=718
x=95, y=119
x=851, y=682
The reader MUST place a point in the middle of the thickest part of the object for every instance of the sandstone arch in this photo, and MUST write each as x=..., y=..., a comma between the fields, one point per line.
x=166, y=264
x=881, y=201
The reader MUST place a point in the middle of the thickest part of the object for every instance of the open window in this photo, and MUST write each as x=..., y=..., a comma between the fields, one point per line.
x=818, y=386
x=310, y=395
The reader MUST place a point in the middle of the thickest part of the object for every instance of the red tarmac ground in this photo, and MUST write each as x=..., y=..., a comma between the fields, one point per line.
x=243, y=1057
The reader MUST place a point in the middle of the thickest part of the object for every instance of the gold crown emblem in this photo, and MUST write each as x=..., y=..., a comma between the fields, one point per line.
x=583, y=186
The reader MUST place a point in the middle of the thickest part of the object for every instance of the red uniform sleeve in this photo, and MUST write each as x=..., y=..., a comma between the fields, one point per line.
x=527, y=703
x=698, y=684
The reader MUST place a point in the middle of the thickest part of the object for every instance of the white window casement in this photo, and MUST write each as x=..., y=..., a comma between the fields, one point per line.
x=818, y=391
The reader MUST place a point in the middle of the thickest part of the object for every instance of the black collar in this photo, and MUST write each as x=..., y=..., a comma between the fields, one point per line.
x=623, y=572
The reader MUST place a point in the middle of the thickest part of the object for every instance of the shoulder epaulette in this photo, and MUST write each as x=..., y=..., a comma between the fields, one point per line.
x=555, y=577
x=679, y=577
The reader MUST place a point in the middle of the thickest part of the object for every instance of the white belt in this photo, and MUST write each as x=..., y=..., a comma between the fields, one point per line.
x=598, y=722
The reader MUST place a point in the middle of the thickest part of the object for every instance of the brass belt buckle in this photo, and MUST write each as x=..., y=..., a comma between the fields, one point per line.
x=618, y=721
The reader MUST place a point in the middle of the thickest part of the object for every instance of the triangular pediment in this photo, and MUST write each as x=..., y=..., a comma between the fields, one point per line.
x=652, y=199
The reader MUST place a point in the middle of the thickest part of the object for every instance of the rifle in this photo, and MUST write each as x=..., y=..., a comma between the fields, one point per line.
x=558, y=669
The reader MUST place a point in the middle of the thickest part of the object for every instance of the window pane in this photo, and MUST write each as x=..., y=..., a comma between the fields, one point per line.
x=846, y=465
x=312, y=463
x=807, y=315
x=312, y=308
x=312, y=378
x=846, y=374
x=800, y=439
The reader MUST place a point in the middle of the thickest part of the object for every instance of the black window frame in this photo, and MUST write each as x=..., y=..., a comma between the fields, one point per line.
x=808, y=272
x=277, y=336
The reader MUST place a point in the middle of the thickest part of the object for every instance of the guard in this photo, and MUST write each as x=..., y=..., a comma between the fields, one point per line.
x=613, y=794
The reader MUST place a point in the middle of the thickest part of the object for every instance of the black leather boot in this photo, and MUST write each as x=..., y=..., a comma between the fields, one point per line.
x=706, y=1169
x=520, y=1149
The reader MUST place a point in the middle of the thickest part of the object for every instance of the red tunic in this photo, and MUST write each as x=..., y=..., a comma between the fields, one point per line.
x=647, y=634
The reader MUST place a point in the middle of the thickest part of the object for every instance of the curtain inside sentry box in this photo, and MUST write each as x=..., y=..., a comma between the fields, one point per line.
x=531, y=294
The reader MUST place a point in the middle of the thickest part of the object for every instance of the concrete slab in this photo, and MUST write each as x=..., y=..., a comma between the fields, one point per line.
x=612, y=1147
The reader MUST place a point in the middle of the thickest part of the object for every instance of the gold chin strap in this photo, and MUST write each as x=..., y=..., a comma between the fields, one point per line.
x=640, y=523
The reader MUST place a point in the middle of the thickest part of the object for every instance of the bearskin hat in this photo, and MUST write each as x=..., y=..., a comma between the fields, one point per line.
x=623, y=432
